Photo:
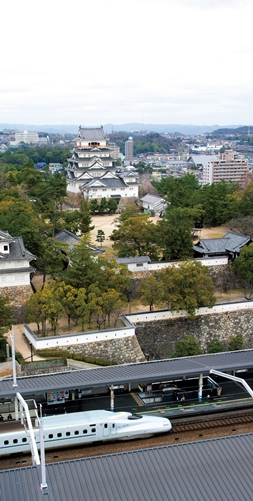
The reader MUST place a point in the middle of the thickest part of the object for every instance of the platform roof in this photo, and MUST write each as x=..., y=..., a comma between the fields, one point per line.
x=214, y=469
x=145, y=373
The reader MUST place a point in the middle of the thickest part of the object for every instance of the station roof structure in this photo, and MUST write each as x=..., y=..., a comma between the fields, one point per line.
x=214, y=469
x=144, y=373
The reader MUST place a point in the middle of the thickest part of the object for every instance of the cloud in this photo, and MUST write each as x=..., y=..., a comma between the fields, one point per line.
x=167, y=60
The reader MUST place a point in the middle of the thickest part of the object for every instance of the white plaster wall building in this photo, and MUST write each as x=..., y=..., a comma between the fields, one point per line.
x=15, y=269
x=92, y=170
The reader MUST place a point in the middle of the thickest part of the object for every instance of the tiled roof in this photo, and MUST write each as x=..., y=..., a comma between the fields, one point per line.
x=152, y=199
x=17, y=251
x=67, y=237
x=107, y=182
x=235, y=241
x=137, y=259
x=91, y=133
x=231, y=242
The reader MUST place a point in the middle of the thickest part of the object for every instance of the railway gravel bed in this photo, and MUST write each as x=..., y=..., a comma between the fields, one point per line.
x=206, y=427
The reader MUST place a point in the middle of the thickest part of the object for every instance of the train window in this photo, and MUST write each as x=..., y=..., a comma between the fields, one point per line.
x=15, y=441
x=84, y=431
x=93, y=430
x=6, y=442
x=67, y=433
x=50, y=435
x=134, y=416
x=76, y=432
x=113, y=425
x=105, y=425
x=59, y=434
x=24, y=439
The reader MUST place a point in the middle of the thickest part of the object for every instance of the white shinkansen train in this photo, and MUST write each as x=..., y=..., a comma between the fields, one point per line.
x=79, y=428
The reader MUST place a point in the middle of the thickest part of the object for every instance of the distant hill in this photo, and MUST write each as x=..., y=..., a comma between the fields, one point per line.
x=129, y=127
x=229, y=130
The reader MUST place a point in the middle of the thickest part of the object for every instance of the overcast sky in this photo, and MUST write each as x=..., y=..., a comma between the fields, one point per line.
x=148, y=61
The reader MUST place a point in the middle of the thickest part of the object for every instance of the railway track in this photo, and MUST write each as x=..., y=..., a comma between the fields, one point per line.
x=183, y=430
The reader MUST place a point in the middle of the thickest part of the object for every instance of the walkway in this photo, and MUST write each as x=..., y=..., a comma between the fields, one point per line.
x=21, y=345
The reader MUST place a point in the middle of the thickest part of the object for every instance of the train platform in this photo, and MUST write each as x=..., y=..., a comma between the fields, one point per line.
x=131, y=402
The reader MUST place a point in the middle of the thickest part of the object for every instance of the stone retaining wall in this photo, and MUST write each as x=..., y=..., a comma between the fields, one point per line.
x=18, y=296
x=157, y=340
x=122, y=351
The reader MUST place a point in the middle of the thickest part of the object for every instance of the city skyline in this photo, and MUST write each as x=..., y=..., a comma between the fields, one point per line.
x=163, y=61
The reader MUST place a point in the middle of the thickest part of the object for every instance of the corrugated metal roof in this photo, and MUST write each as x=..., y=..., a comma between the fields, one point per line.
x=142, y=372
x=209, y=470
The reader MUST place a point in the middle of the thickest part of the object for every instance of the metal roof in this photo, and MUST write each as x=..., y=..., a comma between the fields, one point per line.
x=208, y=470
x=142, y=372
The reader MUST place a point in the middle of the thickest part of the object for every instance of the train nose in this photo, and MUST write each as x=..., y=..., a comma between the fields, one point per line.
x=167, y=424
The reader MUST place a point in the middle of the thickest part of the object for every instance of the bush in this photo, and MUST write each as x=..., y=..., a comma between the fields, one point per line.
x=235, y=343
x=215, y=346
x=53, y=353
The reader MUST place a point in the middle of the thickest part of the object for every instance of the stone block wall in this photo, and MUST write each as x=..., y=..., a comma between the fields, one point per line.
x=157, y=339
x=18, y=296
x=122, y=351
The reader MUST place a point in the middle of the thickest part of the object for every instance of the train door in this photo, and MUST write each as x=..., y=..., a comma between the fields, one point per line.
x=113, y=429
x=105, y=430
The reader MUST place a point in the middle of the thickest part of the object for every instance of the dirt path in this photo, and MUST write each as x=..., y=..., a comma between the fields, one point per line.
x=108, y=224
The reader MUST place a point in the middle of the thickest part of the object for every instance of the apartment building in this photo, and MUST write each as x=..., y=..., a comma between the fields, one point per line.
x=26, y=137
x=230, y=166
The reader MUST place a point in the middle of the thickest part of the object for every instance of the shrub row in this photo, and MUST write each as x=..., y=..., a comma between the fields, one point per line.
x=64, y=354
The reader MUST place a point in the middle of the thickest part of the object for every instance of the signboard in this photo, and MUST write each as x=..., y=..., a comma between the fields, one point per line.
x=57, y=397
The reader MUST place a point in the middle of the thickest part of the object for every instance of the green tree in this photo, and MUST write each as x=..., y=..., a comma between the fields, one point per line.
x=84, y=269
x=187, y=347
x=152, y=291
x=94, y=206
x=180, y=192
x=35, y=312
x=219, y=202
x=52, y=305
x=215, y=346
x=53, y=258
x=243, y=266
x=102, y=206
x=81, y=306
x=112, y=206
x=187, y=287
x=68, y=296
x=94, y=302
x=6, y=314
x=235, y=343
x=175, y=232
x=100, y=236
x=111, y=300
x=136, y=236
x=6, y=321
x=85, y=225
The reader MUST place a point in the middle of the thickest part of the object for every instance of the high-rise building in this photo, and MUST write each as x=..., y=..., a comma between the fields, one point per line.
x=230, y=166
x=129, y=150
x=26, y=137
